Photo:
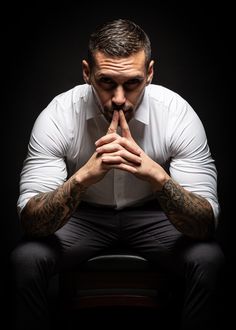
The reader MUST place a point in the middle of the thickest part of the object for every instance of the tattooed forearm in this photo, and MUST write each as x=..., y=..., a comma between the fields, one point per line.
x=47, y=212
x=190, y=214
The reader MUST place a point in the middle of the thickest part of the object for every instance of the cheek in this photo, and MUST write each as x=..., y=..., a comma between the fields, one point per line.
x=139, y=95
x=134, y=98
x=105, y=98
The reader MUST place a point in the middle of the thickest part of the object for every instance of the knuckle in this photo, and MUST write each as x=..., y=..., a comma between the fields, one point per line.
x=111, y=130
x=122, y=152
x=123, y=140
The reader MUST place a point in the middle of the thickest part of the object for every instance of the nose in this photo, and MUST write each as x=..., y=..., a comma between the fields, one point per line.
x=118, y=97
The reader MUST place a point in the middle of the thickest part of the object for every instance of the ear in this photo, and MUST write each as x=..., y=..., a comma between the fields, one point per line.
x=86, y=71
x=150, y=72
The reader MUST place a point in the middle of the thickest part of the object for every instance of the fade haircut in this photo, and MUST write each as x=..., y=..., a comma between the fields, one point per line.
x=119, y=38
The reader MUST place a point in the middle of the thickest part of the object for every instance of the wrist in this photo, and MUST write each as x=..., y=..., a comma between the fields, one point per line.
x=158, y=180
x=81, y=179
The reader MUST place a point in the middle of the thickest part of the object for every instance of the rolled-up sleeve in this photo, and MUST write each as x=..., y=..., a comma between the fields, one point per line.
x=44, y=168
x=192, y=165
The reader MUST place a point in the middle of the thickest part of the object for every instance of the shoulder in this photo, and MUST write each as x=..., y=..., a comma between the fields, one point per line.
x=164, y=96
x=65, y=106
x=73, y=95
x=169, y=102
x=59, y=120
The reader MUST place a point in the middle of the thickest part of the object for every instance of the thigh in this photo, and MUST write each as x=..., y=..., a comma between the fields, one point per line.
x=202, y=260
x=149, y=231
x=148, y=228
x=83, y=236
x=86, y=234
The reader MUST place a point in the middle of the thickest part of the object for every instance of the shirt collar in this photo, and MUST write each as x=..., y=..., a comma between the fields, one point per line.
x=142, y=112
x=92, y=108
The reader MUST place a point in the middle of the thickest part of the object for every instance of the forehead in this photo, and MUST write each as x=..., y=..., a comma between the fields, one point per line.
x=116, y=66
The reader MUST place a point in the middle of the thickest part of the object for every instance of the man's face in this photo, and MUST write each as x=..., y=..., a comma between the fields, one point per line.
x=118, y=83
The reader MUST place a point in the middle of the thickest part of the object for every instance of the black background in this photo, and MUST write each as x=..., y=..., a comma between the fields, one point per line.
x=43, y=46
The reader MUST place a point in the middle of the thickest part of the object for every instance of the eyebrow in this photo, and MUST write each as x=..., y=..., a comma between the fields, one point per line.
x=102, y=75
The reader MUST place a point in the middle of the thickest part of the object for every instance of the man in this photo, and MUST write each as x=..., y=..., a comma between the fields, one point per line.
x=135, y=151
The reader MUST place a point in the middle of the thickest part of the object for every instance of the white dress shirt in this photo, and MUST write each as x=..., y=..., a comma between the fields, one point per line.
x=164, y=126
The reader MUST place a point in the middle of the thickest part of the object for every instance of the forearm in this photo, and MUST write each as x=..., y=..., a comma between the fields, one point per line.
x=191, y=214
x=47, y=212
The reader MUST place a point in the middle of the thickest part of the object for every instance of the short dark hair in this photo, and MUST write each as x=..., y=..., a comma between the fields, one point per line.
x=119, y=38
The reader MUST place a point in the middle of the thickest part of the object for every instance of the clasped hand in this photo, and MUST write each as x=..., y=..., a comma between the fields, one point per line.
x=120, y=152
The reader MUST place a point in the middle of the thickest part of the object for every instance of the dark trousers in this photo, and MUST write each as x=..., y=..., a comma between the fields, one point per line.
x=144, y=229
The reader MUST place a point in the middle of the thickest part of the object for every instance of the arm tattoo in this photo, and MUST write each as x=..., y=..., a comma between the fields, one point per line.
x=47, y=212
x=191, y=214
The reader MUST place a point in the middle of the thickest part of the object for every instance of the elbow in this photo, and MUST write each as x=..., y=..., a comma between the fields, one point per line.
x=31, y=226
x=202, y=231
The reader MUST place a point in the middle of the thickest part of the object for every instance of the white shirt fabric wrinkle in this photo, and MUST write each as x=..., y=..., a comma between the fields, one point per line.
x=164, y=126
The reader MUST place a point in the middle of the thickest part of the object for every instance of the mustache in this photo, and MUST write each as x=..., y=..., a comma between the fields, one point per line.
x=120, y=107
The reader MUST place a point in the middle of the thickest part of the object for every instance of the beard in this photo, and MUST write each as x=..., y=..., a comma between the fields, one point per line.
x=108, y=112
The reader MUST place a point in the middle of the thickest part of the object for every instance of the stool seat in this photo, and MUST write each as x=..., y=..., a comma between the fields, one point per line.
x=114, y=279
x=117, y=262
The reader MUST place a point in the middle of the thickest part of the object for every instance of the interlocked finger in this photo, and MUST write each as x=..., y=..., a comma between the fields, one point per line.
x=121, y=156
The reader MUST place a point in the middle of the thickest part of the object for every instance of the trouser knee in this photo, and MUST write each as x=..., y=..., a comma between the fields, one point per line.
x=30, y=260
